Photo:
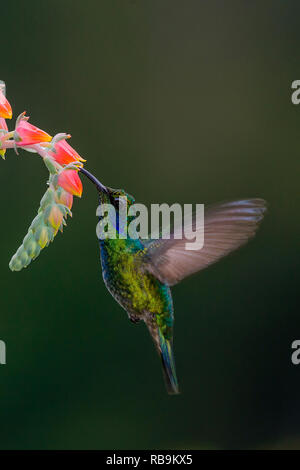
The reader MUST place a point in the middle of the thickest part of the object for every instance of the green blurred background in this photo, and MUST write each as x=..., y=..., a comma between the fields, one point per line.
x=176, y=102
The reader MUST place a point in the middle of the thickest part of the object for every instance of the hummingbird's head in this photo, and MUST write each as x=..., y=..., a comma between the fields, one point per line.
x=116, y=197
x=119, y=196
x=109, y=195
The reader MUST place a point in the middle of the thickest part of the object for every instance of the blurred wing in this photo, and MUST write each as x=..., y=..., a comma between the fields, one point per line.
x=227, y=226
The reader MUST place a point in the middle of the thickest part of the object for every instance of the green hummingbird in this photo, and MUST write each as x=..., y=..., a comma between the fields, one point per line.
x=139, y=273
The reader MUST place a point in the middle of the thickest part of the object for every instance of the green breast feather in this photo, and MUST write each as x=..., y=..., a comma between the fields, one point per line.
x=136, y=289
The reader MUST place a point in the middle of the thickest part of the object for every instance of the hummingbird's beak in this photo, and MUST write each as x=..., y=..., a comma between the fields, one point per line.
x=100, y=187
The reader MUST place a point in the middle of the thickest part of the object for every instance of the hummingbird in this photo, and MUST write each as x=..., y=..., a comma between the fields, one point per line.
x=139, y=273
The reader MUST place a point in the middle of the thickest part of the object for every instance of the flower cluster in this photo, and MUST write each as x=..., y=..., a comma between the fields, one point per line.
x=63, y=164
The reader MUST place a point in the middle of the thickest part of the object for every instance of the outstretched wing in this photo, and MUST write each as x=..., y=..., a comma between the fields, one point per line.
x=227, y=226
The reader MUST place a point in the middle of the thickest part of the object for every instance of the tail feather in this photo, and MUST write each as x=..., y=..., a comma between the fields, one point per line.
x=168, y=364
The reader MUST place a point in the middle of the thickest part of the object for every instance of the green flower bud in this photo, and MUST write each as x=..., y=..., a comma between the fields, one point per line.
x=42, y=236
x=51, y=218
x=36, y=222
x=30, y=244
x=15, y=264
x=47, y=199
x=36, y=252
x=23, y=257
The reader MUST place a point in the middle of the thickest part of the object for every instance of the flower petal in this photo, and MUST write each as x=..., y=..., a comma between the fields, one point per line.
x=70, y=182
x=30, y=134
x=65, y=154
x=5, y=108
x=3, y=124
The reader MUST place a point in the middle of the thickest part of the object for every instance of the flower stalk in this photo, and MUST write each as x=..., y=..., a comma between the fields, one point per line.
x=63, y=164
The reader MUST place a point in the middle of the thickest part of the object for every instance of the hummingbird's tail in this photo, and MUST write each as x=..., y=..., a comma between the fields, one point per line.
x=164, y=347
x=168, y=364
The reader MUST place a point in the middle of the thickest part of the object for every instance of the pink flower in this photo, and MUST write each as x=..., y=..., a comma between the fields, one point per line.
x=65, y=154
x=5, y=108
x=3, y=124
x=30, y=134
x=70, y=182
